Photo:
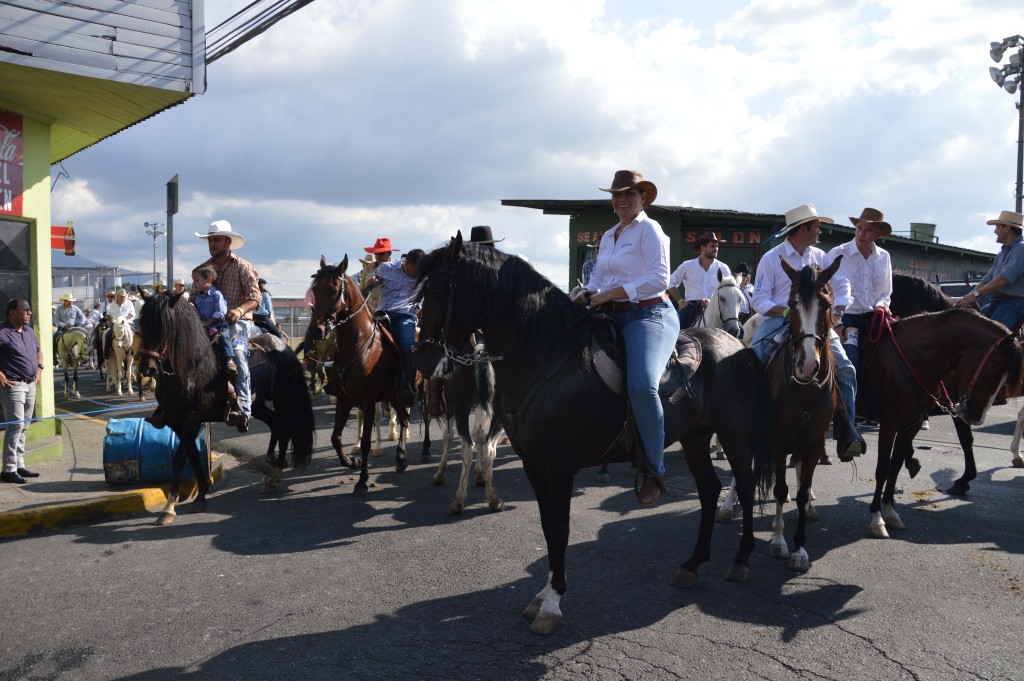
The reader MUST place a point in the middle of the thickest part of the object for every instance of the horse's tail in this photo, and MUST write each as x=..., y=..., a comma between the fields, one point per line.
x=292, y=390
x=764, y=432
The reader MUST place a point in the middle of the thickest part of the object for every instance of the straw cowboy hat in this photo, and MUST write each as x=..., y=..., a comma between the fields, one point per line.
x=874, y=217
x=705, y=238
x=223, y=228
x=69, y=298
x=628, y=179
x=1008, y=217
x=120, y=292
x=381, y=245
x=799, y=216
x=482, y=235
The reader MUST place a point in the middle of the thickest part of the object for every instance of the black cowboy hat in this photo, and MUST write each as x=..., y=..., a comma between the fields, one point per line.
x=482, y=235
x=741, y=268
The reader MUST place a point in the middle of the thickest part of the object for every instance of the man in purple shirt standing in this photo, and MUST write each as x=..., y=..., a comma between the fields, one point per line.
x=21, y=366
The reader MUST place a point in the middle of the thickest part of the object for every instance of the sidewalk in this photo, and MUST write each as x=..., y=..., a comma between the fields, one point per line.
x=73, y=491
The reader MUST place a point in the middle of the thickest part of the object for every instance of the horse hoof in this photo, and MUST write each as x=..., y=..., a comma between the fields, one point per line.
x=958, y=489
x=455, y=508
x=778, y=550
x=401, y=465
x=497, y=505
x=355, y=462
x=913, y=467
x=424, y=458
x=878, y=532
x=438, y=480
x=166, y=518
x=360, y=491
x=545, y=623
x=1018, y=462
x=604, y=477
x=737, y=573
x=533, y=609
x=683, y=578
x=799, y=562
x=723, y=515
x=199, y=506
x=812, y=514
x=268, y=488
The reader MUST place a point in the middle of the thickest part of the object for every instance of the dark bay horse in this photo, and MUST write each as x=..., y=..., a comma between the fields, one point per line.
x=559, y=410
x=956, y=359
x=192, y=389
x=801, y=376
x=366, y=369
x=911, y=296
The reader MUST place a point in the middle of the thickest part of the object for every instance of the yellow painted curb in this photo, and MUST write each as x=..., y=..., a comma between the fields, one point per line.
x=59, y=516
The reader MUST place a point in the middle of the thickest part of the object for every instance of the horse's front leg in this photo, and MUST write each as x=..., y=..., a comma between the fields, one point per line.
x=359, y=430
x=489, y=450
x=778, y=547
x=886, y=439
x=74, y=385
x=446, y=443
x=401, y=462
x=341, y=412
x=724, y=514
x=553, y=489
x=799, y=560
x=362, y=485
x=170, y=514
x=1017, y=461
x=902, y=450
x=378, y=414
x=128, y=373
x=277, y=463
x=966, y=437
x=467, y=451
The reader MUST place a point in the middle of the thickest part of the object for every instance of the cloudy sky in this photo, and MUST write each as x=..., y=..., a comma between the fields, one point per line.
x=354, y=119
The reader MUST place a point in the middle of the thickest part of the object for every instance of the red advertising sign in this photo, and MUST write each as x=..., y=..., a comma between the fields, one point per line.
x=63, y=238
x=12, y=160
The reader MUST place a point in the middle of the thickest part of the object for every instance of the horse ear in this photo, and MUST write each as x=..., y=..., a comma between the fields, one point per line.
x=323, y=262
x=455, y=246
x=790, y=271
x=719, y=276
x=343, y=267
x=144, y=293
x=830, y=270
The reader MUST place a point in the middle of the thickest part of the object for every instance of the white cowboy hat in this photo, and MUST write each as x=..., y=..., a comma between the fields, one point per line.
x=68, y=297
x=801, y=215
x=120, y=292
x=1008, y=217
x=179, y=281
x=223, y=228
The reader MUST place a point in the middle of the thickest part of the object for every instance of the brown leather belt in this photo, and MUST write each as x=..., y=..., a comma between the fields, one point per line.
x=622, y=306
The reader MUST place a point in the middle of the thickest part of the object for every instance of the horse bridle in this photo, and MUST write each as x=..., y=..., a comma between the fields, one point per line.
x=450, y=352
x=720, y=317
x=332, y=319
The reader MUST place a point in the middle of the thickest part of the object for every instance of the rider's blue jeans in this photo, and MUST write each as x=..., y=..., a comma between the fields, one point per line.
x=403, y=327
x=1006, y=311
x=240, y=332
x=846, y=373
x=649, y=334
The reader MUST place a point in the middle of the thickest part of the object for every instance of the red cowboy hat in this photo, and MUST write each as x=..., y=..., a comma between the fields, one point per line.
x=381, y=245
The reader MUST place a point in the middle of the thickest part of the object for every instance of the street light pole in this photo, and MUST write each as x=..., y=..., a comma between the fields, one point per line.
x=1009, y=78
x=153, y=230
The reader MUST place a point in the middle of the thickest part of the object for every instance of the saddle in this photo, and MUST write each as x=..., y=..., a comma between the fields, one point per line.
x=682, y=366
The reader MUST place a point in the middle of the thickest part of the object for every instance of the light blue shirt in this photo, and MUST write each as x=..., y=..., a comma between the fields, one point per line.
x=398, y=289
x=1009, y=264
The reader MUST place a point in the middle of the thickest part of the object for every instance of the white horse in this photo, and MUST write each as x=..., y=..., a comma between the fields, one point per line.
x=723, y=309
x=73, y=349
x=119, y=365
x=380, y=415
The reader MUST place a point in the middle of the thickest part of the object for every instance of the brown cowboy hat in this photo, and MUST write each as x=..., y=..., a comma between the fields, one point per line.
x=705, y=238
x=381, y=245
x=875, y=217
x=628, y=179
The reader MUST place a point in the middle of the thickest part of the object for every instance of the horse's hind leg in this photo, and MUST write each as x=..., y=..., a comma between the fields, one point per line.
x=446, y=443
x=698, y=459
x=277, y=463
x=1018, y=460
x=739, y=451
x=778, y=547
x=377, y=415
x=466, y=450
x=401, y=462
x=725, y=511
x=603, y=475
x=170, y=513
x=488, y=454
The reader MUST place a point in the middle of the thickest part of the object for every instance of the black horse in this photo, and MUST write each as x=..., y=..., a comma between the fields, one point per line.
x=192, y=389
x=560, y=411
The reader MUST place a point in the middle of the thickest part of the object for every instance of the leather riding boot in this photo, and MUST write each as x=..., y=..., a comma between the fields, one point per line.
x=849, y=443
x=651, y=490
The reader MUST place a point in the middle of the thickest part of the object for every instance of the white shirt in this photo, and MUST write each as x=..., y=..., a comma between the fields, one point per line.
x=748, y=293
x=698, y=284
x=773, y=284
x=125, y=309
x=637, y=261
x=870, y=278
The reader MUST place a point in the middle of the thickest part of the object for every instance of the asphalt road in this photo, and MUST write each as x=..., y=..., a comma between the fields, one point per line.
x=313, y=583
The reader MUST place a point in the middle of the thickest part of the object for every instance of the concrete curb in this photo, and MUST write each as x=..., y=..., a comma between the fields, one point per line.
x=53, y=517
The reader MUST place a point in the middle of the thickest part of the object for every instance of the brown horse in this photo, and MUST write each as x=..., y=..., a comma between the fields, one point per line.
x=801, y=377
x=367, y=367
x=913, y=367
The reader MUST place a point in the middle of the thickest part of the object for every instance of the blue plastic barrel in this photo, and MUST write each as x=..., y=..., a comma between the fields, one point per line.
x=136, y=452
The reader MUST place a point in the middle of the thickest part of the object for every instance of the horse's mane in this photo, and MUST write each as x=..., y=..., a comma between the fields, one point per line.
x=497, y=287
x=175, y=321
x=913, y=295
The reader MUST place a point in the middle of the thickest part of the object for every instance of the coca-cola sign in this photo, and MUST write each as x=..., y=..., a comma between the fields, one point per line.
x=12, y=161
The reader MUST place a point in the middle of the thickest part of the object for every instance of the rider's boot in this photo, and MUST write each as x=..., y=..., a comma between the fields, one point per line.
x=849, y=442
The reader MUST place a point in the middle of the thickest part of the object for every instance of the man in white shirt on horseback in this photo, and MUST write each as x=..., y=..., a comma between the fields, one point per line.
x=771, y=301
x=868, y=268
x=699, y=278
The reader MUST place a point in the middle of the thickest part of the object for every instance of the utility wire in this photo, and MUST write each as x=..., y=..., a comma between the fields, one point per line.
x=240, y=28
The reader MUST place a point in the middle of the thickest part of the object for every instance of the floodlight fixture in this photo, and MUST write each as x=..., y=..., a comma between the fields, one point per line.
x=1011, y=86
x=997, y=75
x=997, y=52
x=1009, y=78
